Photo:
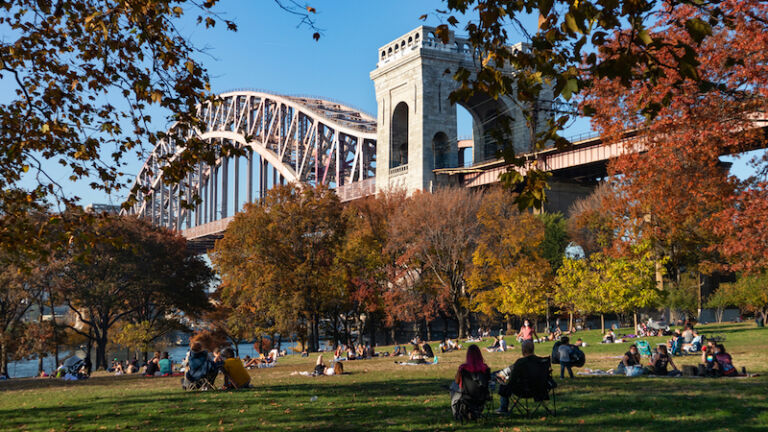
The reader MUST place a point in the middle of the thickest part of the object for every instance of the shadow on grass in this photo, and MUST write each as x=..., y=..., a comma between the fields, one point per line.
x=594, y=403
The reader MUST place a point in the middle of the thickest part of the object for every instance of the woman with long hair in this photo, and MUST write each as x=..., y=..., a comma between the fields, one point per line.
x=473, y=364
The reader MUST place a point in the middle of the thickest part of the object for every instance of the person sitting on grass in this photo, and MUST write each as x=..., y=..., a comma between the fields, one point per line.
x=499, y=346
x=165, y=365
x=564, y=351
x=631, y=359
x=426, y=349
x=723, y=362
x=609, y=337
x=235, y=375
x=417, y=355
x=495, y=346
x=398, y=351
x=338, y=353
x=152, y=365
x=660, y=362
x=708, y=359
x=359, y=352
x=510, y=377
x=351, y=353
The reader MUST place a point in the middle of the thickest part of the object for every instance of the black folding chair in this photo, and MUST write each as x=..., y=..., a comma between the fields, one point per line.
x=475, y=400
x=535, y=390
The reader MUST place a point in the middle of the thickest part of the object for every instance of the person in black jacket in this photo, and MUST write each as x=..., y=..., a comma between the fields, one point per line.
x=514, y=373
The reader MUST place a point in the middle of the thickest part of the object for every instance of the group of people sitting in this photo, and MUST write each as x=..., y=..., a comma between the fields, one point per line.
x=716, y=362
x=261, y=360
x=352, y=352
x=158, y=365
x=203, y=367
x=686, y=341
x=420, y=352
x=448, y=345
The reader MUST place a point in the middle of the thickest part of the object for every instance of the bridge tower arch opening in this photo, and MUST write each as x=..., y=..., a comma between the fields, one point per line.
x=398, y=144
x=414, y=74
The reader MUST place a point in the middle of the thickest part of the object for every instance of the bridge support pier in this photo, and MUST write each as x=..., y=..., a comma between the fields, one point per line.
x=250, y=175
x=224, y=186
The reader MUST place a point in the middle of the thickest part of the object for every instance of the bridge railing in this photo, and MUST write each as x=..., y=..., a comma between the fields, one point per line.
x=356, y=190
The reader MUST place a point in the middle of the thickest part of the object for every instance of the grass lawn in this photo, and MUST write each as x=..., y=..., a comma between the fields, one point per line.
x=379, y=395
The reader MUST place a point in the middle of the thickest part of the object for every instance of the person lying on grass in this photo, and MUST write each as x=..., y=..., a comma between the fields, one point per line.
x=321, y=369
x=235, y=375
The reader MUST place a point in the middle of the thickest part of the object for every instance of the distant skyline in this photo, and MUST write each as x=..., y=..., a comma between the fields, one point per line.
x=269, y=52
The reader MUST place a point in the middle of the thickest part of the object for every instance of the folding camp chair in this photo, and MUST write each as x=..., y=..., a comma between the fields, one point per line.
x=474, y=400
x=644, y=348
x=535, y=390
x=201, y=372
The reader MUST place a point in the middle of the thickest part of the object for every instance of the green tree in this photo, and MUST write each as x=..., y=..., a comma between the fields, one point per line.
x=751, y=293
x=278, y=258
x=569, y=287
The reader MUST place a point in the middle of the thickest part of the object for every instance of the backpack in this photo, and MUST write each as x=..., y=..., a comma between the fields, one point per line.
x=555, y=356
x=577, y=357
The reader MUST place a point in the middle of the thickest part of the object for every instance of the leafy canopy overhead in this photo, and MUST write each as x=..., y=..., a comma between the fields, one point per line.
x=572, y=47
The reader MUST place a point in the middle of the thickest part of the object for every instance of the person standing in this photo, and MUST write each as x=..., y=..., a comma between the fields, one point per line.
x=527, y=332
x=565, y=350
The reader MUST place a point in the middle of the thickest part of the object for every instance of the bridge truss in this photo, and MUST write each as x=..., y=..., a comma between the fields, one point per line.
x=285, y=139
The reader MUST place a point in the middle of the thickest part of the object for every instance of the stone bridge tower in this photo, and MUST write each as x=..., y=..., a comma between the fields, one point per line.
x=416, y=131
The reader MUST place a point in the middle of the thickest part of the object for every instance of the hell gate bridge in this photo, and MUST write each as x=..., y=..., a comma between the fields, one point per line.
x=411, y=144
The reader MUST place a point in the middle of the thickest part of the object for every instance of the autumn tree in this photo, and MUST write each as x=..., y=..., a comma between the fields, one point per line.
x=677, y=193
x=134, y=271
x=277, y=257
x=573, y=48
x=438, y=232
x=510, y=274
x=364, y=264
x=592, y=224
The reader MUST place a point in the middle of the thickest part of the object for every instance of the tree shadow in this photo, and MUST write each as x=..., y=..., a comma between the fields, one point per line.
x=594, y=403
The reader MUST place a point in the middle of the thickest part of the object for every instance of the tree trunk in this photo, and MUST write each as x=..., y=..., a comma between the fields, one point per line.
x=393, y=333
x=570, y=320
x=372, y=330
x=3, y=359
x=55, y=332
x=101, y=350
x=699, y=298
x=509, y=330
x=635, y=316
x=428, y=326
x=602, y=323
x=40, y=354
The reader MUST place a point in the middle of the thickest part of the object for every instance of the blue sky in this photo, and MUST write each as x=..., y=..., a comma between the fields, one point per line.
x=269, y=52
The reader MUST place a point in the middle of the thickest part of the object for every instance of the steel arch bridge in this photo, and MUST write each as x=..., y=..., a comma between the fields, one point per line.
x=285, y=139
